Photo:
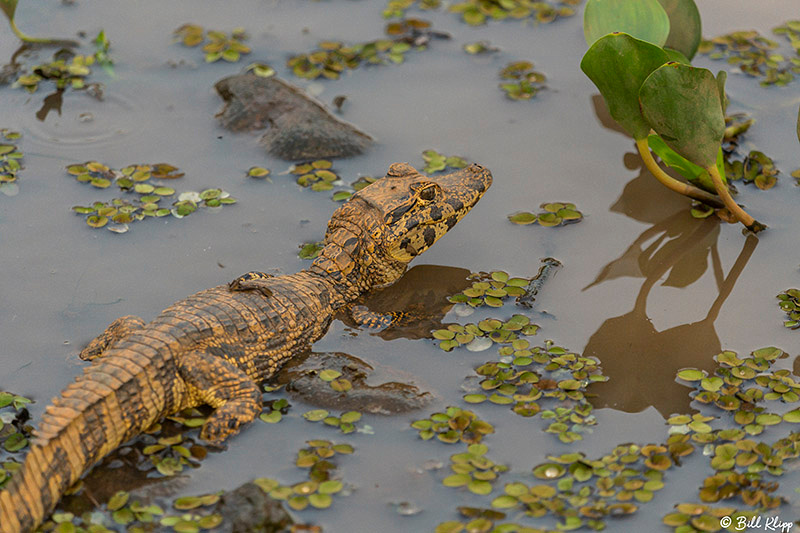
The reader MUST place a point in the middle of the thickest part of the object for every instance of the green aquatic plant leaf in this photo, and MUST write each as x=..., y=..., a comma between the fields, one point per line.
x=9, y=7
x=694, y=173
x=643, y=19
x=618, y=64
x=682, y=104
x=685, y=27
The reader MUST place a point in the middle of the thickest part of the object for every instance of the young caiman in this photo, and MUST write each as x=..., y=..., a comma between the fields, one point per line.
x=216, y=346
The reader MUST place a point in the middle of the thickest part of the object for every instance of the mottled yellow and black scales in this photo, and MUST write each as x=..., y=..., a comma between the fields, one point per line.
x=216, y=346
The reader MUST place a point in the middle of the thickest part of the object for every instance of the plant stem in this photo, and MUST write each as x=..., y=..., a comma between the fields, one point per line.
x=671, y=183
x=25, y=37
x=739, y=213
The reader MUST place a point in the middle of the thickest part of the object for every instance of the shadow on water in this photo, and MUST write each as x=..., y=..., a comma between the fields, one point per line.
x=641, y=361
x=420, y=298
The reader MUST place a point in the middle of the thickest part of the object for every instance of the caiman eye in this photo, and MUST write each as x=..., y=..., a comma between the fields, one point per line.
x=428, y=193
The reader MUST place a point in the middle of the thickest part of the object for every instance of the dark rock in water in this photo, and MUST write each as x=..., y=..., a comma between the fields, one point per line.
x=298, y=127
x=248, y=510
x=300, y=375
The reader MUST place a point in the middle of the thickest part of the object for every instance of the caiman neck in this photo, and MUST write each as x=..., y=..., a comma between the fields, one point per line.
x=352, y=263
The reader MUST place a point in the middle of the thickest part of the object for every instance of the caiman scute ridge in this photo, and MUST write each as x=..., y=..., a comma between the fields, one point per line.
x=216, y=346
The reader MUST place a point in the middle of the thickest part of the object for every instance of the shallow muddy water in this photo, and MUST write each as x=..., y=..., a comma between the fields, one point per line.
x=644, y=287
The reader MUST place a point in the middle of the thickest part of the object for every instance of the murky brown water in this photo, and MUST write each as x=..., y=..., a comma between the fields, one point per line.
x=644, y=287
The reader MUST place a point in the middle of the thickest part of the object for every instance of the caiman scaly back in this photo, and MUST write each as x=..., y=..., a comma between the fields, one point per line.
x=216, y=346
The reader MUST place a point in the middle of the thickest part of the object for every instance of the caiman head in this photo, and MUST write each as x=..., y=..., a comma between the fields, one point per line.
x=385, y=225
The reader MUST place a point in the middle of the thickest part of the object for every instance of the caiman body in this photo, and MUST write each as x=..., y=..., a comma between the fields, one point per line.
x=216, y=346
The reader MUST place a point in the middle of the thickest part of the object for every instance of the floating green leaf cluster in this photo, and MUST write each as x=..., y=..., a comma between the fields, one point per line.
x=344, y=194
x=138, y=517
x=480, y=47
x=137, y=179
x=65, y=70
x=790, y=304
x=742, y=383
x=477, y=12
x=262, y=70
x=435, y=162
x=274, y=410
x=492, y=289
x=258, y=173
x=310, y=250
x=754, y=54
x=524, y=375
x=585, y=491
x=554, y=214
x=14, y=433
x=697, y=517
x=10, y=156
x=101, y=45
x=331, y=58
x=317, y=175
x=483, y=521
x=321, y=484
x=345, y=422
x=473, y=470
x=525, y=82
x=171, y=454
x=219, y=45
x=791, y=30
x=397, y=8
x=453, y=425
x=738, y=388
x=488, y=330
x=335, y=380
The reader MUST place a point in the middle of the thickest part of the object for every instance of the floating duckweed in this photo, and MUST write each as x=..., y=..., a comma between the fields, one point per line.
x=258, y=172
x=756, y=168
x=274, y=410
x=554, y=214
x=345, y=422
x=10, y=158
x=331, y=58
x=310, y=250
x=526, y=375
x=494, y=330
x=435, y=162
x=68, y=69
x=316, y=175
x=754, y=54
x=477, y=12
x=136, y=178
x=397, y=8
x=453, y=425
x=790, y=304
x=494, y=289
x=262, y=70
x=698, y=517
x=473, y=470
x=15, y=433
x=320, y=487
x=219, y=45
x=480, y=47
x=526, y=81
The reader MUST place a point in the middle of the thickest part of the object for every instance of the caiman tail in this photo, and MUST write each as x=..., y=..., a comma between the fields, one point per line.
x=115, y=399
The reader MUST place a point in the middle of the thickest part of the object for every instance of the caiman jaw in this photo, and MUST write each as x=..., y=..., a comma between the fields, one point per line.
x=432, y=208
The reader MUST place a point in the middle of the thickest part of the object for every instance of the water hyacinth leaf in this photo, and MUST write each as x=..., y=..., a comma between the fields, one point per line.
x=694, y=173
x=685, y=28
x=682, y=104
x=618, y=64
x=643, y=19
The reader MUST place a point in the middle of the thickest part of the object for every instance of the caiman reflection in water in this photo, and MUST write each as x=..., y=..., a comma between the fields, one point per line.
x=641, y=361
